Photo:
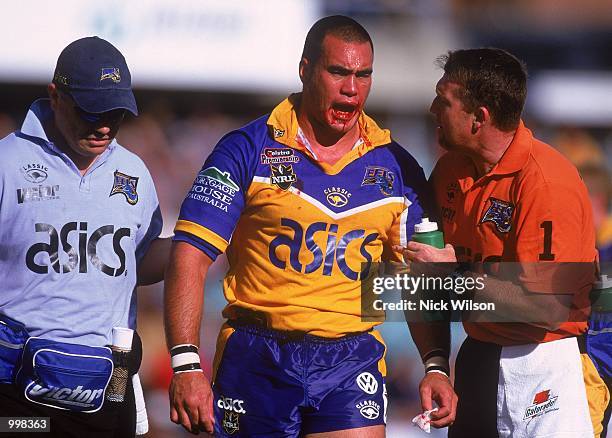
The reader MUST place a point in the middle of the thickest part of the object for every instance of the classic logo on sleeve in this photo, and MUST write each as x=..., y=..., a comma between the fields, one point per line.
x=500, y=213
x=214, y=187
x=381, y=177
x=125, y=185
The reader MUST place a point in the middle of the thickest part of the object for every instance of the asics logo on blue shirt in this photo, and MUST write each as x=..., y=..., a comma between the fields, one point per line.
x=87, y=248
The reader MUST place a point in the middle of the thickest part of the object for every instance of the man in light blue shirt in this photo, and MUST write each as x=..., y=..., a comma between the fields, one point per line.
x=79, y=225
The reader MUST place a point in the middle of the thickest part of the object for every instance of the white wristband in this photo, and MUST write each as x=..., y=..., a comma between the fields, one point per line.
x=184, y=359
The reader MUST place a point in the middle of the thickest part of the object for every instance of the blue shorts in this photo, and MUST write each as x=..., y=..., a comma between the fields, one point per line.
x=273, y=384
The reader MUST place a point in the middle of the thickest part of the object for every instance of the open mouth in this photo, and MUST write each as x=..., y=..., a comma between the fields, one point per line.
x=344, y=111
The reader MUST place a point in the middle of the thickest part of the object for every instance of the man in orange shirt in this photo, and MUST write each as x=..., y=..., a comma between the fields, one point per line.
x=515, y=204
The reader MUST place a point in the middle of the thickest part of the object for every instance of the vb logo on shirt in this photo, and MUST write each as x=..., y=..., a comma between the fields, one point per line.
x=87, y=248
x=303, y=242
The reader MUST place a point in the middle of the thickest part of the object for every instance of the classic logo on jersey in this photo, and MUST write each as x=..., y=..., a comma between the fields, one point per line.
x=381, y=177
x=278, y=156
x=111, y=73
x=369, y=409
x=500, y=213
x=214, y=187
x=367, y=383
x=87, y=249
x=302, y=245
x=35, y=173
x=337, y=196
x=542, y=403
x=125, y=185
x=283, y=176
x=278, y=132
x=451, y=192
x=38, y=193
x=231, y=404
x=231, y=422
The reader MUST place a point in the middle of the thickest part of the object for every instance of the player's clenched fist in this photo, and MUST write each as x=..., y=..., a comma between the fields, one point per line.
x=191, y=402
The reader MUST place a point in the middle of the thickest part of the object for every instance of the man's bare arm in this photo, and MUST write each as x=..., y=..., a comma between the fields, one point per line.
x=184, y=294
x=190, y=393
x=153, y=265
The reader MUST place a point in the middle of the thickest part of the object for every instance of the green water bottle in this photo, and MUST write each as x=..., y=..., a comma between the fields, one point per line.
x=427, y=232
x=601, y=295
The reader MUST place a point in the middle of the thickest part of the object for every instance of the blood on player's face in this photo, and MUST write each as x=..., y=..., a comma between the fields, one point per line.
x=337, y=86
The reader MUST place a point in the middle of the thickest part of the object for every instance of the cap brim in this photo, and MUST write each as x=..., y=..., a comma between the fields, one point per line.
x=101, y=101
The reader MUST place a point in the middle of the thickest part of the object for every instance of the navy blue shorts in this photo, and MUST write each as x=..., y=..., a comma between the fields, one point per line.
x=272, y=384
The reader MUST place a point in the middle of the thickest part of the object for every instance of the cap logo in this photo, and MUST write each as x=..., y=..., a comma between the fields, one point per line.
x=60, y=79
x=111, y=73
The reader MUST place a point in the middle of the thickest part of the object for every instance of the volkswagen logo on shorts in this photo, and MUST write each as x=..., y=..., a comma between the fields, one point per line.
x=367, y=383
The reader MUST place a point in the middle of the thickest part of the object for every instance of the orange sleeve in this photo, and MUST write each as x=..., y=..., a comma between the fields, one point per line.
x=555, y=240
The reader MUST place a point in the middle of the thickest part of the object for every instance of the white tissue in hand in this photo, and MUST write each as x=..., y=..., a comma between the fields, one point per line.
x=423, y=420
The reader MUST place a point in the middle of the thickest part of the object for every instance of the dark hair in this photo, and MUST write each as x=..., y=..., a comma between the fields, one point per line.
x=340, y=26
x=489, y=77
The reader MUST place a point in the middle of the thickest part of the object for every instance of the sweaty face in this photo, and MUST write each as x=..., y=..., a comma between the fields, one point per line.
x=337, y=86
x=86, y=135
x=454, y=124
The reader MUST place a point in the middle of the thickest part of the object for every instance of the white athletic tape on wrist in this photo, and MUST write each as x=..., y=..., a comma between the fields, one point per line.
x=184, y=359
x=437, y=371
x=189, y=371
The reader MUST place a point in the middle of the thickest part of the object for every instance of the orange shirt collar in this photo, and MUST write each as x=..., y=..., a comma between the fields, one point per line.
x=517, y=154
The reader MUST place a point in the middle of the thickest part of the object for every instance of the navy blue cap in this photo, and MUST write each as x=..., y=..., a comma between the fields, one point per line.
x=94, y=73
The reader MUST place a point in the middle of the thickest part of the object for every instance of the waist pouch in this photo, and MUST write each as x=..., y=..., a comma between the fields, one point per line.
x=13, y=336
x=65, y=376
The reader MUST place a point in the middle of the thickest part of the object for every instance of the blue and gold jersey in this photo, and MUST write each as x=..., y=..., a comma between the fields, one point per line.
x=300, y=234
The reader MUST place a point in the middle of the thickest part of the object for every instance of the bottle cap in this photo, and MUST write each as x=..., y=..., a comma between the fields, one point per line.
x=603, y=282
x=122, y=338
x=425, y=226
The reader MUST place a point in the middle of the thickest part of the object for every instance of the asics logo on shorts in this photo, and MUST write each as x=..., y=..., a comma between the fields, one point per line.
x=232, y=405
x=367, y=383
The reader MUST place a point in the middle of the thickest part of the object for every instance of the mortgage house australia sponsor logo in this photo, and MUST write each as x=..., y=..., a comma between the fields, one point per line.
x=215, y=187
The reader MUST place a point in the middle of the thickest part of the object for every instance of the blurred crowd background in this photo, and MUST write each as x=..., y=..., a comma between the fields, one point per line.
x=202, y=68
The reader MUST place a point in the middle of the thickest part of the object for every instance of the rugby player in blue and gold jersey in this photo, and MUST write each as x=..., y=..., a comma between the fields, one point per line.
x=303, y=201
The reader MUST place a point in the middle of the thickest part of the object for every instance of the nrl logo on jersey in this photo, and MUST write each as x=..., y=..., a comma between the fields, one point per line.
x=500, y=213
x=337, y=196
x=35, y=173
x=125, y=185
x=542, y=403
x=278, y=132
x=283, y=176
x=381, y=177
